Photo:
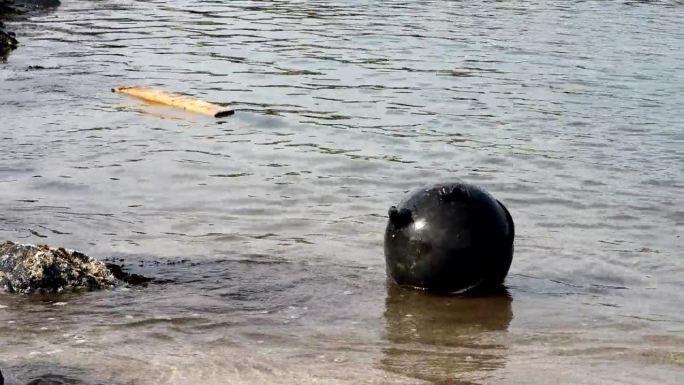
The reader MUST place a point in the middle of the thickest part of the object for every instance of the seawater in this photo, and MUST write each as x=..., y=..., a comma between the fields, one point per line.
x=267, y=226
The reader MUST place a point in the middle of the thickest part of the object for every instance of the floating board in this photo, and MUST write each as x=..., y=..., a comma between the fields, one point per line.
x=175, y=100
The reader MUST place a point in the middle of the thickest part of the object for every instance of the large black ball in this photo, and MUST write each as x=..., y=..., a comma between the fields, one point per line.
x=449, y=237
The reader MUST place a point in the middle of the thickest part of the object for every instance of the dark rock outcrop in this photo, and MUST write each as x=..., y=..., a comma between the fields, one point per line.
x=124, y=276
x=18, y=7
x=44, y=269
x=12, y=9
x=41, y=269
x=8, y=41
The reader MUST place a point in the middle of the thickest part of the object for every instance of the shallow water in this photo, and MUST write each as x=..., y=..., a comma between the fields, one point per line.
x=268, y=225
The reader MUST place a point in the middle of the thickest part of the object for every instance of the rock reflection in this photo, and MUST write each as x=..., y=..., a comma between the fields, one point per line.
x=445, y=339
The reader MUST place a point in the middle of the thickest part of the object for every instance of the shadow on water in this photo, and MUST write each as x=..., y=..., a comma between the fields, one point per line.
x=444, y=339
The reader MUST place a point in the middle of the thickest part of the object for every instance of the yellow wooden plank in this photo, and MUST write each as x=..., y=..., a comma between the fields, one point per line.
x=175, y=100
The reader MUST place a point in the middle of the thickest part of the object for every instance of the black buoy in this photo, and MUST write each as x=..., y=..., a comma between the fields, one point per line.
x=449, y=237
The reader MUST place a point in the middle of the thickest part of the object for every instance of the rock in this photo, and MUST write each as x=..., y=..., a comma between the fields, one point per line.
x=55, y=379
x=7, y=41
x=449, y=237
x=23, y=6
x=44, y=269
x=6, y=8
x=132, y=279
x=12, y=8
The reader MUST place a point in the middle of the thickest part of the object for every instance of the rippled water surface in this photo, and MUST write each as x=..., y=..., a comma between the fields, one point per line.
x=267, y=226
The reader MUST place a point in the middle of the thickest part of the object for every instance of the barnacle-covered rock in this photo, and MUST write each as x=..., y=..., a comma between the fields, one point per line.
x=44, y=269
